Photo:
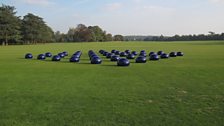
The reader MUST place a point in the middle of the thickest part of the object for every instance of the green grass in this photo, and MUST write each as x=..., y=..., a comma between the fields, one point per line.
x=186, y=91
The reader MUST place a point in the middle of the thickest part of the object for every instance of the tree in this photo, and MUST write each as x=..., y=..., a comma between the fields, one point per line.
x=118, y=38
x=109, y=37
x=9, y=24
x=81, y=34
x=99, y=33
x=34, y=29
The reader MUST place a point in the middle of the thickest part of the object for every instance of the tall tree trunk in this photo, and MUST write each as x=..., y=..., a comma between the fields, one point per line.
x=6, y=39
x=3, y=43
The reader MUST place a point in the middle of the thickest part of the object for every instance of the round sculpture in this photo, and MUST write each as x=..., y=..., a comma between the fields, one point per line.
x=143, y=54
x=123, y=54
x=134, y=52
x=48, y=54
x=173, y=54
x=94, y=56
x=96, y=60
x=141, y=59
x=62, y=55
x=101, y=51
x=114, y=58
x=160, y=52
x=123, y=62
x=65, y=53
x=164, y=56
x=117, y=53
x=109, y=55
x=76, y=55
x=74, y=59
x=154, y=57
x=56, y=58
x=28, y=56
x=152, y=53
x=130, y=56
x=127, y=51
x=180, y=54
x=105, y=53
x=41, y=57
x=113, y=51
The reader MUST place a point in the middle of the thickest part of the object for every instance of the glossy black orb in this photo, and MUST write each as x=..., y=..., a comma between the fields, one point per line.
x=164, y=56
x=123, y=62
x=62, y=55
x=56, y=58
x=76, y=55
x=109, y=55
x=123, y=54
x=180, y=54
x=117, y=53
x=65, y=53
x=160, y=52
x=41, y=57
x=142, y=51
x=141, y=59
x=105, y=53
x=113, y=51
x=143, y=54
x=127, y=51
x=152, y=53
x=134, y=52
x=94, y=56
x=101, y=51
x=28, y=56
x=48, y=54
x=74, y=59
x=90, y=53
x=173, y=54
x=96, y=60
x=154, y=57
x=114, y=58
x=130, y=56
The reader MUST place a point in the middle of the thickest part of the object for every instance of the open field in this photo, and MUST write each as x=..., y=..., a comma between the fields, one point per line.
x=182, y=91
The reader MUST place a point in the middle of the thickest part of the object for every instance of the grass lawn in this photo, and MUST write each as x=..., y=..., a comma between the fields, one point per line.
x=182, y=91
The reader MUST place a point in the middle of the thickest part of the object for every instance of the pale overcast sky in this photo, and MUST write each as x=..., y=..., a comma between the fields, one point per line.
x=129, y=17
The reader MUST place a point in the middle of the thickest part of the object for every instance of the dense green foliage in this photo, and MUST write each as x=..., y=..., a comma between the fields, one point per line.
x=210, y=36
x=30, y=29
x=9, y=25
x=35, y=30
x=186, y=91
x=83, y=33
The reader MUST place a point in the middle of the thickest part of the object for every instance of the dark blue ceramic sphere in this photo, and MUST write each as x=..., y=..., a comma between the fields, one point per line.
x=154, y=57
x=141, y=59
x=180, y=54
x=56, y=58
x=173, y=54
x=164, y=56
x=114, y=58
x=123, y=62
x=130, y=56
x=62, y=55
x=123, y=54
x=96, y=60
x=48, y=54
x=41, y=57
x=28, y=56
x=74, y=59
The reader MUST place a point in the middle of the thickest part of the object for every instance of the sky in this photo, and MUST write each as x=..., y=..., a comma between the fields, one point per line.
x=129, y=17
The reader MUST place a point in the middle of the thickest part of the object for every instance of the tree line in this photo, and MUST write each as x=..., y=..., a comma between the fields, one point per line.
x=32, y=29
x=83, y=33
x=200, y=37
x=16, y=30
